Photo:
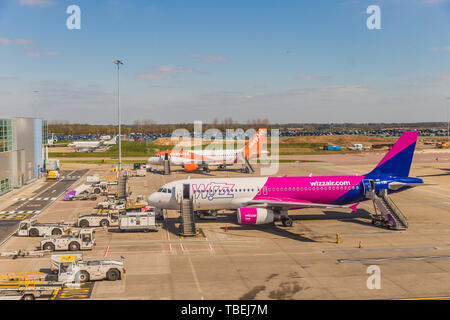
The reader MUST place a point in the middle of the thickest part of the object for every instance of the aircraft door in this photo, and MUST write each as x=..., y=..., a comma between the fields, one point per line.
x=186, y=191
x=368, y=188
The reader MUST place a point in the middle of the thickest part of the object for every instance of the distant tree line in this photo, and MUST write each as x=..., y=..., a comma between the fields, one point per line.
x=151, y=127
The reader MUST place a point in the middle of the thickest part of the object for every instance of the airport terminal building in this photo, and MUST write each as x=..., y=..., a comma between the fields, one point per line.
x=22, y=151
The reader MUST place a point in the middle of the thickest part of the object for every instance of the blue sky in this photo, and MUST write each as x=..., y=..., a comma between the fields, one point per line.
x=288, y=61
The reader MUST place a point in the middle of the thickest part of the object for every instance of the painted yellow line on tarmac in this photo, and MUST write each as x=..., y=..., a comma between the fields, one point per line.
x=55, y=293
x=426, y=298
x=14, y=216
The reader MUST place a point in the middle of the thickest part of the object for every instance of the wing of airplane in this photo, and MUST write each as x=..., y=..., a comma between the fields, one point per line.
x=397, y=185
x=290, y=203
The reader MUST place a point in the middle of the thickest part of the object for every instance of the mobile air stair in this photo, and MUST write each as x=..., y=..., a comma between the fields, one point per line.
x=387, y=214
x=187, y=226
x=122, y=187
x=248, y=166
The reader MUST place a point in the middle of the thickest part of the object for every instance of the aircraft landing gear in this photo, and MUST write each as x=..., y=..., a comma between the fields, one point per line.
x=286, y=221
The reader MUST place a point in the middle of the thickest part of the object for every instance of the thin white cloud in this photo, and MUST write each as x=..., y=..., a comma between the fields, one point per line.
x=333, y=92
x=165, y=72
x=445, y=48
x=442, y=80
x=36, y=3
x=434, y=1
x=7, y=42
x=37, y=54
x=347, y=3
x=224, y=93
x=9, y=78
x=24, y=41
x=208, y=58
x=314, y=78
x=329, y=90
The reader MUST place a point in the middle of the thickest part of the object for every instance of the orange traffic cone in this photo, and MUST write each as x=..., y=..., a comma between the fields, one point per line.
x=360, y=244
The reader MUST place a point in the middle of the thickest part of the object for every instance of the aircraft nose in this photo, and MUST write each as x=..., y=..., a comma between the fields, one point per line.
x=153, y=200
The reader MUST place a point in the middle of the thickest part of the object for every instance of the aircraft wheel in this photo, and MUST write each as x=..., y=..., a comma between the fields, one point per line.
x=49, y=246
x=84, y=276
x=56, y=232
x=84, y=223
x=74, y=246
x=287, y=222
x=104, y=223
x=113, y=275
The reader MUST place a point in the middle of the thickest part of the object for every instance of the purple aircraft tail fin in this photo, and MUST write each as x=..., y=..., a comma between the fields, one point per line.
x=70, y=194
x=397, y=161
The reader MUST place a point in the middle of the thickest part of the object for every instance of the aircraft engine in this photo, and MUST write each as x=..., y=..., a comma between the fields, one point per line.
x=190, y=167
x=254, y=216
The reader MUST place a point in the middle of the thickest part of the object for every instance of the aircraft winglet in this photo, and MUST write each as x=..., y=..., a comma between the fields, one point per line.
x=354, y=207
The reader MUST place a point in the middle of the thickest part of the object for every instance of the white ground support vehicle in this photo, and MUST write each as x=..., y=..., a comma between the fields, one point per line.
x=356, y=146
x=110, y=219
x=109, y=203
x=72, y=268
x=87, y=191
x=83, y=240
x=31, y=228
x=122, y=204
x=138, y=173
x=139, y=221
x=57, y=258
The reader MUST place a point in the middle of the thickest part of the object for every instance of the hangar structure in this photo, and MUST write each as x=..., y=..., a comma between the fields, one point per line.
x=23, y=151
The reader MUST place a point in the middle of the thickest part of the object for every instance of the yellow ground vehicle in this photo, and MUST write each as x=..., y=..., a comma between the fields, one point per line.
x=25, y=285
x=53, y=175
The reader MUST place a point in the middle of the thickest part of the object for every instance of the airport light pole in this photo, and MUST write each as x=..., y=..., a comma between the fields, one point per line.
x=35, y=96
x=118, y=63
x=448, y=120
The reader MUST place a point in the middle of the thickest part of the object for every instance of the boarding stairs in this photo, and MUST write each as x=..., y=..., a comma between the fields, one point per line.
x=166, y=166
x=187, y=226
x=388, y=214
x=122, y=187
x=249, y=166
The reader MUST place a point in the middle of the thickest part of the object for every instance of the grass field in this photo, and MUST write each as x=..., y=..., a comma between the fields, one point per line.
x=129, y=149
x=143, y=149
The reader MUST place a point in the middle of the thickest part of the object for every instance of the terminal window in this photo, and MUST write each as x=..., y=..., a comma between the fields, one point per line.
x=44, y=132
x=5, y=135
x=4, y=185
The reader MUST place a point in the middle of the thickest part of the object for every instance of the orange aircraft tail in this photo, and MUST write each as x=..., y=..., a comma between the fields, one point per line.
x=254, y=147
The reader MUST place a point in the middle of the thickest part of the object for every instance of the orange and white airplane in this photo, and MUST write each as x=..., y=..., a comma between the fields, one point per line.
x=203, y=159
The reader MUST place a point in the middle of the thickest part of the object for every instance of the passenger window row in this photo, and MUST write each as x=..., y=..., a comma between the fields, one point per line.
x=314, y=188
x=290, y=189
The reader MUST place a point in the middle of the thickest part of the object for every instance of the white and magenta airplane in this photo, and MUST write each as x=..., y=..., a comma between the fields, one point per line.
x=192, y=160
x=260, y=200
